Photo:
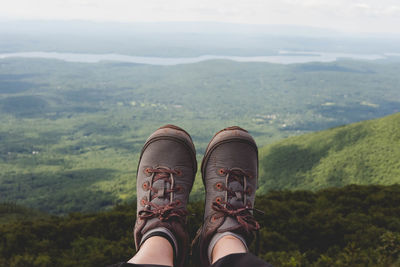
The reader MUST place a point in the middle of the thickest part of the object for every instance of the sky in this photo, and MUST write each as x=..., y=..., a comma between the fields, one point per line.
x=361, y=16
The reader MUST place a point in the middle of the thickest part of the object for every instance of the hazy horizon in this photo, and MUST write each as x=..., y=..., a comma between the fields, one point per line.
x=204, y=26
x=362, y=16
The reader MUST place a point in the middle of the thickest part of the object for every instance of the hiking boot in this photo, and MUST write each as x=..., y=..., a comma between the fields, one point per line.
x=229, y=170
x=165, y=175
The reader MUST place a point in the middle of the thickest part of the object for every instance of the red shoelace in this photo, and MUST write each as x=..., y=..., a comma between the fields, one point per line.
x=163, y=212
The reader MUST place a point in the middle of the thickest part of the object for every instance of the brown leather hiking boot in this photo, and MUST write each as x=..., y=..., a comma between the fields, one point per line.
x=229, y=170
x=165, y=175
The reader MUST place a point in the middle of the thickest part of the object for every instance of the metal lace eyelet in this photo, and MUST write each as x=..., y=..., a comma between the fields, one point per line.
x=249, y=191
x=147, y=171
x=221, y=171
x=179, y=173
x=218, y=186
x=249, y=204
x=145, y=186
x=143, y=201
x=179, y=188
x=213, y=219
x=218, y=200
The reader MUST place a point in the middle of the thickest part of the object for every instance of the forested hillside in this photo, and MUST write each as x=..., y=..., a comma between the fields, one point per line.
x=343, y=227
x=367, y=152
x=71, y=133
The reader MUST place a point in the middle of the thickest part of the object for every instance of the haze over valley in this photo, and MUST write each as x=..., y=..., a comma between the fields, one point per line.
x=74, y=130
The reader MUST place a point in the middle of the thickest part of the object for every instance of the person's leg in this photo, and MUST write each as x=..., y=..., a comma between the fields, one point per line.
x=231, y=251
x=155, y=250
x=225, y=246
x=165, y=176
x=230, y=173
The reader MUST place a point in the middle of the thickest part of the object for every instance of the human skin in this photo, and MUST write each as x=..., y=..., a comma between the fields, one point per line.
x=157, y=250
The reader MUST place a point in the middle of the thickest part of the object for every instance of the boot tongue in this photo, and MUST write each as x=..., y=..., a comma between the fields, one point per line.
x=236, y=200
x=163, y=197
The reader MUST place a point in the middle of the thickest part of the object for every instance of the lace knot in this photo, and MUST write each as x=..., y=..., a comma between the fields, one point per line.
x=242, y=215
x=162, y=212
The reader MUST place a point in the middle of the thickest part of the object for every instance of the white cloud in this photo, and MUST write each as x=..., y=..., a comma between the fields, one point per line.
x=357, y=15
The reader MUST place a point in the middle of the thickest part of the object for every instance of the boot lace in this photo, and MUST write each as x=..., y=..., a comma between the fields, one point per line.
x=163, y=212
x=243, y=215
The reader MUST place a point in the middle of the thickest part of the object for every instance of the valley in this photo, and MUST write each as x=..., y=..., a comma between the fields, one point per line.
x=71, y=133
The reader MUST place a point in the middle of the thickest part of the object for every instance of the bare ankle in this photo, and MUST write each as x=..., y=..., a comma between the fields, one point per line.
x=155, y=250
x=226, y=245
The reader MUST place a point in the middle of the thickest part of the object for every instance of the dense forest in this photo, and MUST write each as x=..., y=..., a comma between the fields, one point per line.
x=349, y=226
x=367, y=152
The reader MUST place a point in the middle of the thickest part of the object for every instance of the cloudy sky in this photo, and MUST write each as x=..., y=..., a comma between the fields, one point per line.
x=381, y=16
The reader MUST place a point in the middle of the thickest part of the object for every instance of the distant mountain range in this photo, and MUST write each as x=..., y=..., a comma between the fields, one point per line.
x=184, y=39
x=367, y=152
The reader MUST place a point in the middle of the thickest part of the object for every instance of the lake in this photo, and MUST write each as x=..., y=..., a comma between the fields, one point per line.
x=283, y=57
